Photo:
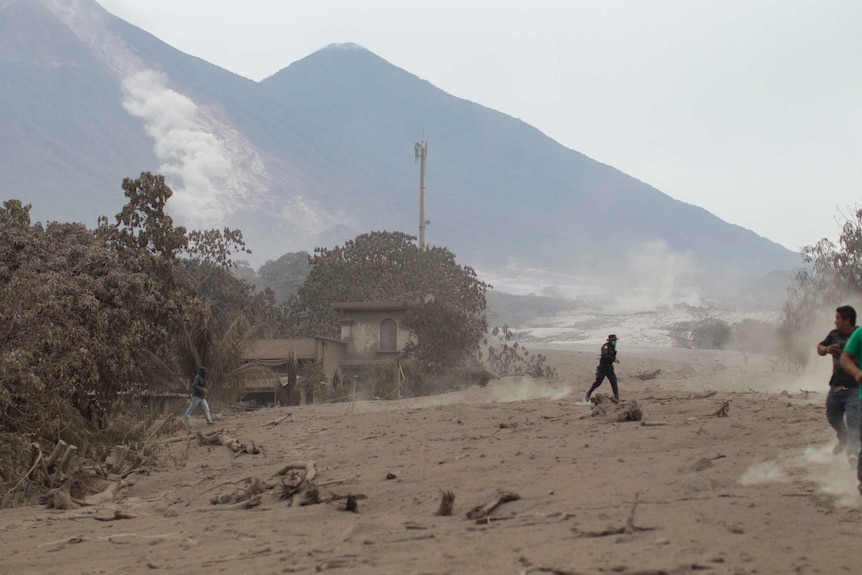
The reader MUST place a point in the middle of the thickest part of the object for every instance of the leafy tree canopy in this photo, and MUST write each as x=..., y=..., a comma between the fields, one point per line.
x=833, y=278
x=389, y=267
x=283, y=276
x=121, y=311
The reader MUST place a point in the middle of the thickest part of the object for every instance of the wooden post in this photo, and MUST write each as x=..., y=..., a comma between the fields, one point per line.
x=292, y=390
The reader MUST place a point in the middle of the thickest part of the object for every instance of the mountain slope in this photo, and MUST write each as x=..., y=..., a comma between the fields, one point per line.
x=66, y=141
x=494, y=179
x=318, y=153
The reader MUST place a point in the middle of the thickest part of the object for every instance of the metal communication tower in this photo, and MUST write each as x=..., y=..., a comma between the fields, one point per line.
x=421, y=151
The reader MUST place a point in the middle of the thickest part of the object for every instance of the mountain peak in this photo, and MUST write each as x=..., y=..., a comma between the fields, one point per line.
x=346, y=46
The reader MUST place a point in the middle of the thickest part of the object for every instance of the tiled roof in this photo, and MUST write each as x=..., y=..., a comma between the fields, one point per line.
x=373, y=305
x=264, y=349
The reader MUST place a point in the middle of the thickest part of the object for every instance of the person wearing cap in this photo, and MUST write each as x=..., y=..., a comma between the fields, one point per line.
x=606, y=367
x=199, y=396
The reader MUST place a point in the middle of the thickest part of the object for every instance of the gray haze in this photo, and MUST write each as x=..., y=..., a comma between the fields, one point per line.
x=322, y=151
x=749, y=109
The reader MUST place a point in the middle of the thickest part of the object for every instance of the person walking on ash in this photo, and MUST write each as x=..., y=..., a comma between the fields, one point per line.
x=199, y=396
x=606, y=368
x=842, y=401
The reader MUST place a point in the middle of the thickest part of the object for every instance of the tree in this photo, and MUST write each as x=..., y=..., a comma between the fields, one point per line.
x=120, y=311
x=285, y=275
x=73, y=319
x=211, y=313
x=112, y=314
x=388, y=266
x=833, y=277
x=506, y=356
x=143, y=224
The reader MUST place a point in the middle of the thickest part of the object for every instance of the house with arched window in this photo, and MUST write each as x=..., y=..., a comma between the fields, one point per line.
x=373, y=331
x=372, y=335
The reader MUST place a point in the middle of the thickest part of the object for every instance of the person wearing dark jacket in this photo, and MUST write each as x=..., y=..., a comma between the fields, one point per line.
x=842, y=401
x=606, y=368
x=199, y=396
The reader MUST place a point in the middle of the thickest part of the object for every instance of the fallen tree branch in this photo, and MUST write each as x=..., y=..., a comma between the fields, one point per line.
x=216, y=487
x=551, y=571
x=175, y=439
x=274, y=422
x=255, y=487
x=308, y=467
x=628, y=529
x=107, y=495
x=724, y=410
x=117, y=515
x=158, y=427
x=553, y=417
x=60, y=498
x=482, y=511
x=631, y=413
x=249, y=503
x=221, y=438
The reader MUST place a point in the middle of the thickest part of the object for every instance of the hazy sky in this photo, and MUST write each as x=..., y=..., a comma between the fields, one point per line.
x=751, y=109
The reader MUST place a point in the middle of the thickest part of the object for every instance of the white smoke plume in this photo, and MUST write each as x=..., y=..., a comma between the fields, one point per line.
x=211, y=168
x=658, y=276
x=188, y=151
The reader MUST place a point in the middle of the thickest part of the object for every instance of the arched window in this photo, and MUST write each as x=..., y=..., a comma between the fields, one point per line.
x=388, y=335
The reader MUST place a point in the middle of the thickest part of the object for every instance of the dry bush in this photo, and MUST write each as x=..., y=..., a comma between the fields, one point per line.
x=707, y=333
x=506, y=356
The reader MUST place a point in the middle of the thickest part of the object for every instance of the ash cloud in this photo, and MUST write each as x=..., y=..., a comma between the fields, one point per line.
x=213, y=170
x=658, y=276
x=211, y=182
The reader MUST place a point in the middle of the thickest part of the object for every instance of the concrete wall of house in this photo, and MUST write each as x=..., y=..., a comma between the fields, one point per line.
x=361, y=331
x=329, y=354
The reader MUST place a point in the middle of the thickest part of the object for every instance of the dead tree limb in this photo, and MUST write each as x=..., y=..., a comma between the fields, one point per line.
x=221, y=438
x=55, y=455
x=631, y=413
x=550, y=571
x=446, y=502
x=274, y=422
x=630, y=522
x=657, y=423
x=249, y=503
x=216, y=487
x=724, y=410
x=628, y=529
x=482, y=511
x=308, y=467
x=107, y=495
x=156, y=428
x=60, y=498
x=117, y=515
x=67, y=458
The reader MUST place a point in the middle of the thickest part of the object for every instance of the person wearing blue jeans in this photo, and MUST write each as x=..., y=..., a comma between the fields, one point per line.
x=199, y=396
x=842, y=401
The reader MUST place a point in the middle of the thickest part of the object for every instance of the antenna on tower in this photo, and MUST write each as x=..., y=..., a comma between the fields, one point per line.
x=421, y=152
